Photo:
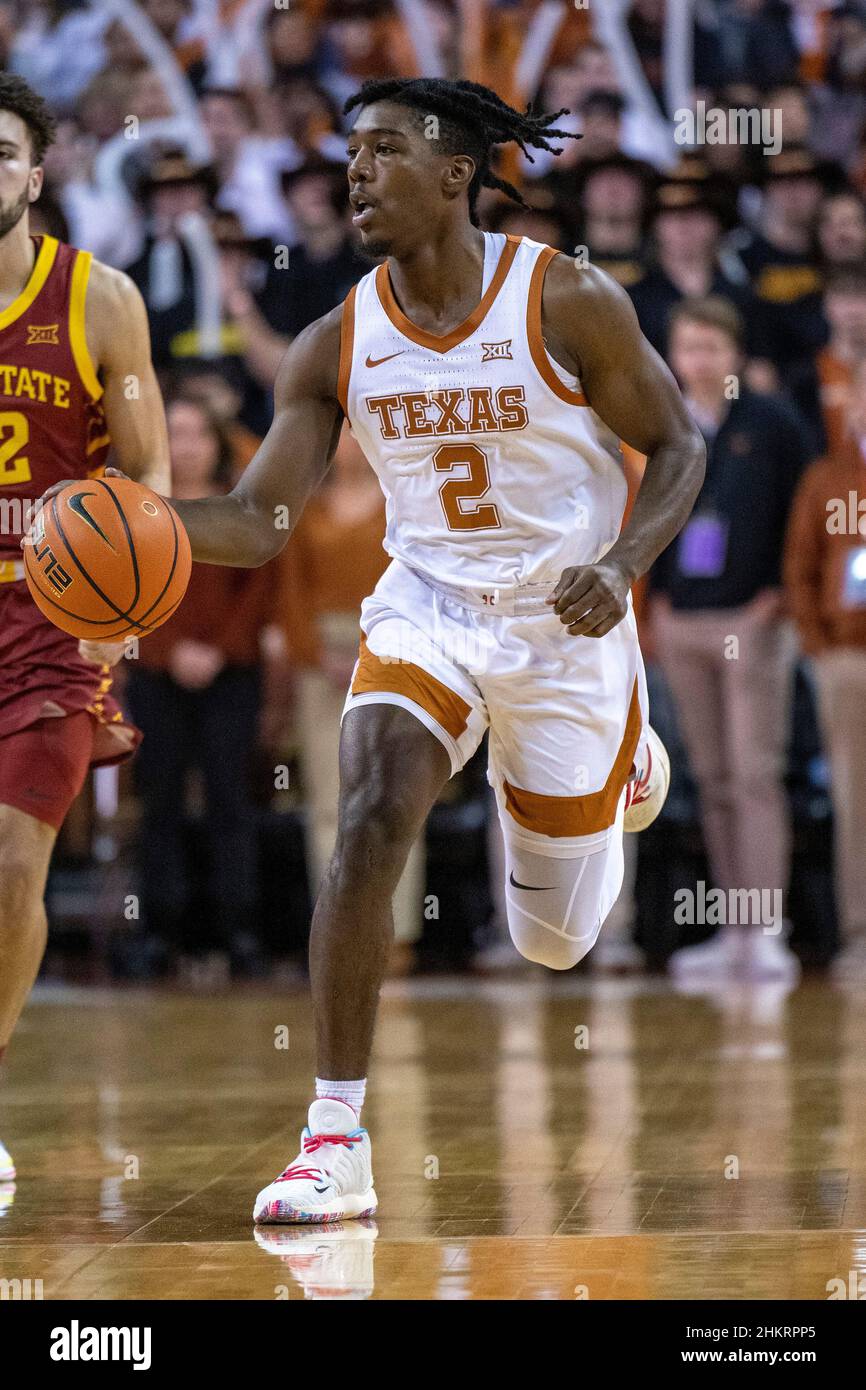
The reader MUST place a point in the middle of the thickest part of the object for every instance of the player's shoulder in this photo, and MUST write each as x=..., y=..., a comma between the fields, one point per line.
x=311, y=365
x=110, y=288
x=574, y=280
x=584, y=305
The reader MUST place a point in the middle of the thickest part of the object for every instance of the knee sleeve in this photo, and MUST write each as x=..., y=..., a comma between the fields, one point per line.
x=556, y=905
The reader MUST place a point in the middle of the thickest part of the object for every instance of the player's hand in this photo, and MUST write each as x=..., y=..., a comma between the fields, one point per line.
x=101, y=653
x=50, y=492
x=591, y=599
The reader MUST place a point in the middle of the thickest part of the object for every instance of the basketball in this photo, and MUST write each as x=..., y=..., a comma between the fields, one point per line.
x=109, y=559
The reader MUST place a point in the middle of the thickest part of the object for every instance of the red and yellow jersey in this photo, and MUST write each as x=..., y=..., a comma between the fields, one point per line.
x=52, y=423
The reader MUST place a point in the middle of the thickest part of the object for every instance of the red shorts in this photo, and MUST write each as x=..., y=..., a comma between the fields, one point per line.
x=43, y=767
x=56, y=712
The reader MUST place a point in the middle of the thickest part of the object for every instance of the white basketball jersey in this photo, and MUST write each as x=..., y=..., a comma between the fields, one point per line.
x=495, y=469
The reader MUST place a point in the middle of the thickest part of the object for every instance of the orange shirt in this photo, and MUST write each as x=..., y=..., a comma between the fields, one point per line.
x=834, y=377
x=818, y=551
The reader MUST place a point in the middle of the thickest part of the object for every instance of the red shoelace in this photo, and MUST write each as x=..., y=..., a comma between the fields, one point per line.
x=310, y=1144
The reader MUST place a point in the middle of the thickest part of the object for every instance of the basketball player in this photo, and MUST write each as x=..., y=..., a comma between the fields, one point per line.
x=75, y=378
x=489, y=381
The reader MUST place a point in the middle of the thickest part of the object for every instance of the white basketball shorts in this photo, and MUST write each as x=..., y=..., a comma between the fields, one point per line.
x=566, y=714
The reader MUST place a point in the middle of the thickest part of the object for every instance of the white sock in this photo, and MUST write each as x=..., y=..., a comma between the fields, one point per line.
x=349, y=1092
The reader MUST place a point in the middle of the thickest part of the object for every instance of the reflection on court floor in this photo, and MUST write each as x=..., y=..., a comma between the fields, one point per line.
x=550, y=1138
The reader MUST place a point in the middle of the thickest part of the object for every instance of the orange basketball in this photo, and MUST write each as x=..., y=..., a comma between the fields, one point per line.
x=109, y=559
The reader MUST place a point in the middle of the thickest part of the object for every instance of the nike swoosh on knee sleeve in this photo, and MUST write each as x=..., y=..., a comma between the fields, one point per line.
x=527, y=887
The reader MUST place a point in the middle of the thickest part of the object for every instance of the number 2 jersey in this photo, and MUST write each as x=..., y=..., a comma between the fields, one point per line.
x=52, y=425
x=496, y=471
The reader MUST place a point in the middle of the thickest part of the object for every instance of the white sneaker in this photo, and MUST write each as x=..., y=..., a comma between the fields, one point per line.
x=7, y=1167
x=334, y=1263
x=647, y=791
x=719, y=958
x=769, y=957
x=337, y=1185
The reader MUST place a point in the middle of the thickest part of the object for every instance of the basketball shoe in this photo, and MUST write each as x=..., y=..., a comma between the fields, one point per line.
x=332, y=1177
x=645, y=794
x=7, y=1167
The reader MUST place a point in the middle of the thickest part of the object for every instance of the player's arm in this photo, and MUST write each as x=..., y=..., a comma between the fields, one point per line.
x=589, y=322
x=119, y=338
x=251, y=525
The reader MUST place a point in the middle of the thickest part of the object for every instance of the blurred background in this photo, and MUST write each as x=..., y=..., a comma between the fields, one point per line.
x=201, y=149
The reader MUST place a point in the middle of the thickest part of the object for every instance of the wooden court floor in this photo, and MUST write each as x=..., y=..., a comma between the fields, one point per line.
x=544, y=1138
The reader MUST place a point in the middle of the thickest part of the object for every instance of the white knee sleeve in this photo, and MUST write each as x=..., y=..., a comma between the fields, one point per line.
x=555, y=905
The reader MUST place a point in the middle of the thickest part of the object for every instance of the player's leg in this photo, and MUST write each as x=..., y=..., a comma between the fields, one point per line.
x=557, y=897
x=413, y=716
x=42, y=769
x=568, y=731
x=25, y=853
x=392, y=769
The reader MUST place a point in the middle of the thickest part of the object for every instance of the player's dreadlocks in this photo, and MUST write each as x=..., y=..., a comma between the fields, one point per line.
x=472, y=120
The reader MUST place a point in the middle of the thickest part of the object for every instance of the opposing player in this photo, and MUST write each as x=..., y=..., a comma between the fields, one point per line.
x=489, y=381
x=75, y=380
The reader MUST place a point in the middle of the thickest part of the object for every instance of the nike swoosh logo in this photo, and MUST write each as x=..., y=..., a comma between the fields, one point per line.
x=527, y=887
x=377, y=361
x=76, y=504
x=323, y=1189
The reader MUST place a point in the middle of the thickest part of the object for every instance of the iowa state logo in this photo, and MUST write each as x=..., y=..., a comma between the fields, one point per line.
x=42, y=333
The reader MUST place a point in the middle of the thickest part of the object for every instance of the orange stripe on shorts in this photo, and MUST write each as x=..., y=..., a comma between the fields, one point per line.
x=558, y=816
x=375, y=676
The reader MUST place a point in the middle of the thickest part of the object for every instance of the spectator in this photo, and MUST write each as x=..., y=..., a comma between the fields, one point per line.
x=719, y=633
x=247, y=165
x=293, y=43
x=195, y=693
x=168, y=18
x=58, y=49
x=825, y=573
x=759, y=43
x=781, y=262
x=614, y=201
x=172, y=189
x=569, y=84
x=686, y=236
x=105, y=221
x=221, y=387
x=318, y=272
x=842, y=231
x=822, y=391
x=839, y=102
x=321, y=604
x=247, y=338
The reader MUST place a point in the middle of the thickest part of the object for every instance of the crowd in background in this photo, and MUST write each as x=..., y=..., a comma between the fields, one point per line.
x=201, y=149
